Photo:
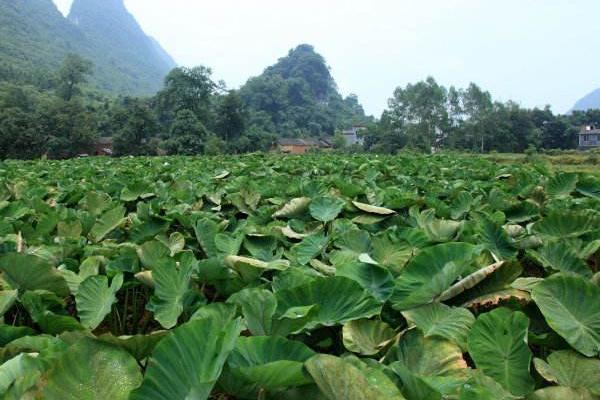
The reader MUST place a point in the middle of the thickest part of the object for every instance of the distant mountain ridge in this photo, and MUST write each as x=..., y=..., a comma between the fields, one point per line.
x=36, y=36
x=589, y=102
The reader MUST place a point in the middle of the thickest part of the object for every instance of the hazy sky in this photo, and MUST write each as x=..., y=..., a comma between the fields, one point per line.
x=536, y=52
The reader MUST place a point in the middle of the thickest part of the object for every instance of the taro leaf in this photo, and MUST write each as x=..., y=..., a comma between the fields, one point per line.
x=270, y=362
x=469, y=281
x=95, y=298
x=355, y=240
x=373, y=209
x=377, y=280
x=392, y=255
x=561, y=393
x=560, y=257
x=563, y=225
x=309, y=248
x=91, y=370
x=28, y=272
x=48, y=321
x=561, y=185
x=350, y=302
x=568, y=368
x=367, y=337
x=252, y=267
x=326, y=209
x=414, y=387
x=96, y=202
x=461, y=205
x=206, y=230
x=7, y=299
x=429, y=274
x=589, y=186
x=106, y=223
x=498, y=345
x=293, y=208
x=135, y=191
x=139, y=346
x=342, y=380
x=175, y=242
x=19, y=374
x=187, y=363
x=8, y=333
x=229, y=244
x=442, y=321
x=441, y=230
x=495, y=239
x=482, y=387
x=171, y=292
x=152, y=253
x=430, y=356
x=220, y=312
x=258, y=308
x=571, y=306
x=71, y=229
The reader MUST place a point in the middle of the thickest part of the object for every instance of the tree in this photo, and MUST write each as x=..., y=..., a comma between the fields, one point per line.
x=339, y=141
x=186, y=89
x=73, y=72
x=230, y=116
x=421, y=111
x=187, y=135
x=134, y=127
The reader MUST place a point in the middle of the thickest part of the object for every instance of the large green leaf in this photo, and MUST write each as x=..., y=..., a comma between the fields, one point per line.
x=106, y=223
x=171, y=291
x=571, y=306
x=270, y=362
x=560, y=256
x=432, y=356
x=95, y=298
x=326, y=209
x=495, y=239
x=15, y=373
x=309, y=248
x=377, y=280
x=367, y=337
x=91, y=370
x=498, y=345
x=568, y=368
x=430, y=273
x=350, y=302
x=29, y=272
x=440, y=320
x=562, y=225
x=187, y=363
x=561, y=393
x=342, y=380
x=258, y=308
x=561, y=185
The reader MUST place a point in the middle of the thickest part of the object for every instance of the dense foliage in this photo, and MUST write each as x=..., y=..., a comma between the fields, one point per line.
x=315, y=277
x=426, y=115
x=36, y=38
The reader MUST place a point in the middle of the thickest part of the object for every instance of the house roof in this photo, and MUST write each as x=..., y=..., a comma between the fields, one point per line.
x=309, y=142
x=105, y=140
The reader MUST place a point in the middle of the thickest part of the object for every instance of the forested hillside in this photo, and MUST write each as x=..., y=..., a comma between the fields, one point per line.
x=36, y=38
x=298, y=95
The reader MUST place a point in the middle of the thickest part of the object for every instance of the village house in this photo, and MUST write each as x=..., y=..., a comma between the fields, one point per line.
x=301, y=146
x=589, y=137
x=352, y=135
x=103, y=146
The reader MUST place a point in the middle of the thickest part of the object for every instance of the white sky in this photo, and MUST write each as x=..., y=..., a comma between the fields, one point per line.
x=536, y=52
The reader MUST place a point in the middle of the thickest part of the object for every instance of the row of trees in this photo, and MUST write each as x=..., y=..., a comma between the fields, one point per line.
x=426, y=116
x=193, y=114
